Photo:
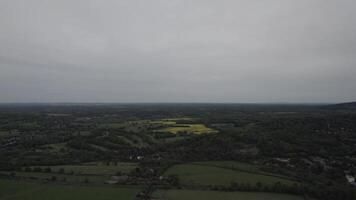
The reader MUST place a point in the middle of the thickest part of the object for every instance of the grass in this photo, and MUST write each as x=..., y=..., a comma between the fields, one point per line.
x=231, y=165
x=193, y=174
x=216, y=195
x=111, y=126
x=167, y=125
x=240, y=166
x=29, y=125
x=95, y=172
x=72, y=179
x=4, y=133
x=13, y=190
x=96, y=168
x=190, y=128
x=55, y=147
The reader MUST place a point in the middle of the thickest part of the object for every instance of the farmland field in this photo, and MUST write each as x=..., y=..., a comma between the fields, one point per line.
x=215, y=195
x=4, y=133
x=189, y=128
x=89, y=173
x=11, y=190
x=231, y=164
x=193, y=174
x=239, y=166
x=61, y=178
x=97, y=168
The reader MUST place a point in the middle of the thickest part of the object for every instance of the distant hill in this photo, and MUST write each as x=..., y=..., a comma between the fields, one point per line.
x=348, y=105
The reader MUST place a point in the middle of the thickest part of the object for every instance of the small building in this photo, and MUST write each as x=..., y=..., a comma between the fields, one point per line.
x=111, y=182
x=117, y=179
x=350, y=179
x=282, y=160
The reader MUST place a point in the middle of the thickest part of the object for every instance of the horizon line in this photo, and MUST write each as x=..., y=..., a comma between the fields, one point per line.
x=185, y=102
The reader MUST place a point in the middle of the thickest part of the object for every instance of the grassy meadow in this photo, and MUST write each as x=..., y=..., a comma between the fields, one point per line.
x=13, y=190
x=197, y=174
x=96, y=173
x=216, y=195
x=97, y=168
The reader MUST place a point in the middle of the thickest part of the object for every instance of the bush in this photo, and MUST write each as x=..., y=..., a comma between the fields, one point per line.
x=48, y=170
x=37, y=169
x=61, y=171
x=53, y=178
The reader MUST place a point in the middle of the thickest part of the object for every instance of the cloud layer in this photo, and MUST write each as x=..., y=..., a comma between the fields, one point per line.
x=177, y=51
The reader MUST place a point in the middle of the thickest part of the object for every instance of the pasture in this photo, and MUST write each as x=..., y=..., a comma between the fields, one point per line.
x=13, y=190
x=95, y=168
x=240, y=166
x=4, y=133
x=197, y=174
x=90, y=173
x=60, y=178
x=231, y=164
x=216, y=195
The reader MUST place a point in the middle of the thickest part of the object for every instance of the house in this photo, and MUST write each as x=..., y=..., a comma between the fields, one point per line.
x=117, y=179
x=282, y=160
x=350, y=179
x=111, y=182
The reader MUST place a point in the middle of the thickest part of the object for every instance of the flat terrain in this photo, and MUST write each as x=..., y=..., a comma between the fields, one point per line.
x=61, y=178
x=215, y=195
x=176, y=151
x=239, y=166
x=231, y=165
x=97, y=168
x=11, y=190
x=190, y=128
x=90, y=173
x=205, y=174
x=169, y=125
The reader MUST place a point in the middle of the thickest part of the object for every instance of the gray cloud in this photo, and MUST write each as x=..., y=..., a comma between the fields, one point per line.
x=177, y=51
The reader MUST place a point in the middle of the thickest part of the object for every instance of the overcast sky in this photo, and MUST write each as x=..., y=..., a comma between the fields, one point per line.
x=177, y=51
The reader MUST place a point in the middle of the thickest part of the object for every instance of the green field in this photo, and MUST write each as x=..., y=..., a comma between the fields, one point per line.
x=91, y=173
x=231, y=165
x=61, y=178
x=167, y=125
x=215, y=195
x=95, y=168
x=57, y=147
x=11, y=190
x=239, y=166
x=189, y=128
x=194, y=174
x=111, y=125
x=4, y=133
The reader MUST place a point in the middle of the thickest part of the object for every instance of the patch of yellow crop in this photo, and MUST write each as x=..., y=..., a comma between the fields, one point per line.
x=178, y=119
x=190, y=128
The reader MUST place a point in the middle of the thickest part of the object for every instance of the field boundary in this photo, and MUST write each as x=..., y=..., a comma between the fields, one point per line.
x=247, y=171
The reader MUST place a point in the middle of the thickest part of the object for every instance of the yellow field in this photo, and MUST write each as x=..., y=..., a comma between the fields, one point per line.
x=167, y=125
x=190, y=128
x=179, y=118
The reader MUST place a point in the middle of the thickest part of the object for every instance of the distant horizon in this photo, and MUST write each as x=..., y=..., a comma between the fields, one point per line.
x=266, y=103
